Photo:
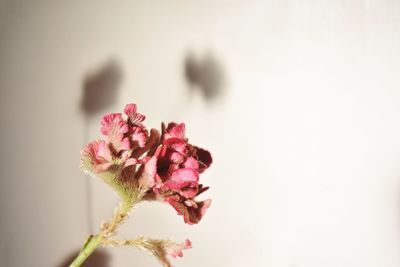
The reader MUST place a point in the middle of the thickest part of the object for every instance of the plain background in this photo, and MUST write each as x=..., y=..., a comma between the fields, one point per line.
x=305, y=133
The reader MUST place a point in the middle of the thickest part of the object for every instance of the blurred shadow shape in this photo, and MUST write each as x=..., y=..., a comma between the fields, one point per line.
x=100, y=87
x=205, y=74
x=99, y=258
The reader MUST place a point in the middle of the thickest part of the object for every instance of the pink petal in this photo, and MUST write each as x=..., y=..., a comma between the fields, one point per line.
x=175, y=249
x=103, y=151
x=152, y=142
x=189, y=191
x=134, y=117
x=191, y=163
x=174, y=130
x=130, y=109
x=176, y=157
x=138, y=136
x=102, y=167
x=151, y=167
x=176, y=144
x=181, y=178
x=130, y=162
x=114, y=127
x=98, y=155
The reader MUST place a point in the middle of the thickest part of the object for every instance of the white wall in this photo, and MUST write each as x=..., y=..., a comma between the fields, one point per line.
x=306, y=139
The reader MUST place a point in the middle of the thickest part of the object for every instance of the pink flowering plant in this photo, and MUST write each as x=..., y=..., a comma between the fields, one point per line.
x=142, y=165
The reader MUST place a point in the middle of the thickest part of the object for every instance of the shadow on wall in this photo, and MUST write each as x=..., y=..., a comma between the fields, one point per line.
x=99, y=258
x=205, y=74
x=100, y=88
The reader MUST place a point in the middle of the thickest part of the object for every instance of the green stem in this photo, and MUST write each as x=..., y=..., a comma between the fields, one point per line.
x=87, y=249
x=94, y=241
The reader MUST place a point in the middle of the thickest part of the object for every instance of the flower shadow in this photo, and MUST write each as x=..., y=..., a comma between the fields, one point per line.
x=205, y=74
x=100, y=88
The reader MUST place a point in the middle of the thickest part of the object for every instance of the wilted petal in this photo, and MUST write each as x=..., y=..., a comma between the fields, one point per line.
x=195, y=214
x=201, y=189
x=204, y=158
x=192, y=213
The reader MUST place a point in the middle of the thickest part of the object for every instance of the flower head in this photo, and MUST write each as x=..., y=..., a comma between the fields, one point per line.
x=146, y=165
x=166, y=165
x=174, y=171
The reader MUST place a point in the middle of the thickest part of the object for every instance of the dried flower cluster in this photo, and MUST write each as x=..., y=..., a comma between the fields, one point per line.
x=149, y=165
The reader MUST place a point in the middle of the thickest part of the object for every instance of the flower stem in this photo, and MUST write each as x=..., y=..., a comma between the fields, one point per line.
x=88, y=248
x=107, y=230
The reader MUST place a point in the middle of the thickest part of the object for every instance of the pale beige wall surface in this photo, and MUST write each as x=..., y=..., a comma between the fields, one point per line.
x=306, y=137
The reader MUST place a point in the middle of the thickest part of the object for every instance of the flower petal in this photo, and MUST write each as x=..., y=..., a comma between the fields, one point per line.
x=174, y=130
x=134, y=117
x=181, y=178
x=114, y=127
x=138, y=136
x=191, y=214
x=151, y=144
x=204, y=157
x=175, y=249
x=97, y=156
x=191, y=163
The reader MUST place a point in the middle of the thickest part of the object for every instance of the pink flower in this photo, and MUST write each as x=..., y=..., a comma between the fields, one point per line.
x=97, y=155
x=173, y=171
x=115, y=127
x=167, y=166
x=146, y=165
x=192, y=211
